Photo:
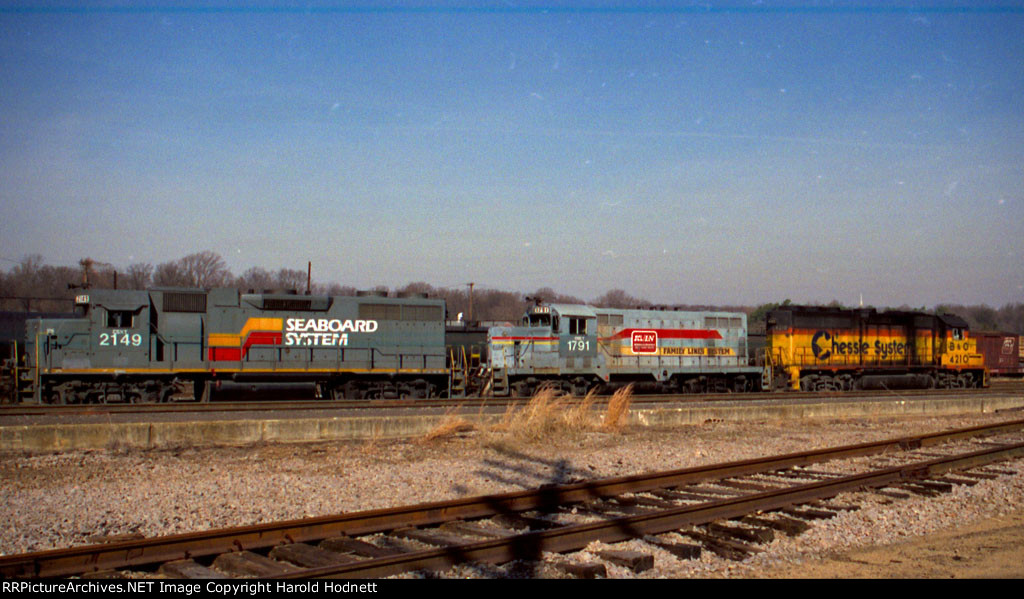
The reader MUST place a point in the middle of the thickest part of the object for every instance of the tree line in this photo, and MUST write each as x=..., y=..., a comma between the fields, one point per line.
x=33, y=286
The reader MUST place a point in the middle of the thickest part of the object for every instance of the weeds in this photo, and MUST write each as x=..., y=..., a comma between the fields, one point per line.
x=549, y=415
x=450, y=427
x=618, y=409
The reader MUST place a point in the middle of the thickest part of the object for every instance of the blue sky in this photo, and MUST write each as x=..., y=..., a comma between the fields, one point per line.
x=741, y=153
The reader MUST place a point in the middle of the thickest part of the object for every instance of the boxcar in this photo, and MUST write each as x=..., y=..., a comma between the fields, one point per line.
x=1002, y=353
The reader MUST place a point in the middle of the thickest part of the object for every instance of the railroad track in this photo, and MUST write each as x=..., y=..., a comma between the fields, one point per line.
x=725, y=508
x=998, y=390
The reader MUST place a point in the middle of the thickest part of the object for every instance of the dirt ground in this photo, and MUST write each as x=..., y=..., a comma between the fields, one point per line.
x=991, y=548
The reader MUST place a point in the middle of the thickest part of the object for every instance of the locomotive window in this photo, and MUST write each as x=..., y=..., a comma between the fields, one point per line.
x=577, y=326
x=120, y=319
x=958, y=334
x=539, y=320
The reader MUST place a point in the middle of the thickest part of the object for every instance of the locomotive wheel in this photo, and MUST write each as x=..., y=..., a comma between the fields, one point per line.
x=54, y=396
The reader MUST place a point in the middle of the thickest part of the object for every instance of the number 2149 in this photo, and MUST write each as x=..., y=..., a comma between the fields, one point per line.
x=120, y=338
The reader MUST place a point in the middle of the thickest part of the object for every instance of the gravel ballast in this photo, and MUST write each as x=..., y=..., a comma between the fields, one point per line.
x=64, y=499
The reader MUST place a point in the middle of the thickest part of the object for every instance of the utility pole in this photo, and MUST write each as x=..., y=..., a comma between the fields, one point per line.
x=470, y=301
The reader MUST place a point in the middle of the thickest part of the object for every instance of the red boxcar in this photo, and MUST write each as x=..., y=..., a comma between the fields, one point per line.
x=1002, y=351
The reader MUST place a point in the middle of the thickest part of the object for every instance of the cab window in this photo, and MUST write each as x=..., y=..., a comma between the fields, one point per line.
x=538, y=320
x=120, y=319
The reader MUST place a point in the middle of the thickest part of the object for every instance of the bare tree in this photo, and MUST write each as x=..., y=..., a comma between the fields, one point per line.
x=168, y=274
x=202, y=269
x=290, y=278
x=205, y=269
x=139, y=276
x=255, y=279
x=617, y=298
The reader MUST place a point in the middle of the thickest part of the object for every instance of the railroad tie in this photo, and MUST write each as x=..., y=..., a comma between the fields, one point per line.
x=890, y=494
x=582, y=570
x=840, y=507
x=357, y=547
x=660, y=504
x=465, y=528
x=247, y=563
x=806, y=474
x=521, y=522
x=308, y=556
x=434, y=537
x=680, y=550
x=788, y=526
x=808, y=514
x=717, y=493
x=979, y=475
x=742, y=533
x=748, y=486
x=721, y=547
x=633, y=560
x=919, y=489
x=188, y=569
x=941, y=487
x=681, y=496
x=955, y=480
x=600, y=507
x=998, y=471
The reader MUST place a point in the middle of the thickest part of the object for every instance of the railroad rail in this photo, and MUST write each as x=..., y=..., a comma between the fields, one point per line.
x=482, y=529
x=298, y=405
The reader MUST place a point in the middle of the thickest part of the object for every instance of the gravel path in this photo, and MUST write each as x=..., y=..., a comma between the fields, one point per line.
x=57, y=500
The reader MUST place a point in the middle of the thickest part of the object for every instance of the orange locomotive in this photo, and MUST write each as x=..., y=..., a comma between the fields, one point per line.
x=821, y=349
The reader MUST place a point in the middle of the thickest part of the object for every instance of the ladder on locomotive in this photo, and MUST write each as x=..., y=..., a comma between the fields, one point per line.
x=470, y=375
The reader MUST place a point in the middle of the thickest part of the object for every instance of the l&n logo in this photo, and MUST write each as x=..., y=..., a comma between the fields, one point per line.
x=644, y=342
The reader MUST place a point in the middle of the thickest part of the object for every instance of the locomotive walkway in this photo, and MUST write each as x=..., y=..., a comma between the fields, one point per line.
x=98, y=428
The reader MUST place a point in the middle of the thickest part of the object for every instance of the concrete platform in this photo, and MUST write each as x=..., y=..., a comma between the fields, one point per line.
x=195, y=430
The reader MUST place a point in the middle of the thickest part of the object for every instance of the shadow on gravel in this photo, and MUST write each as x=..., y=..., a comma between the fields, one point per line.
x=547, y=475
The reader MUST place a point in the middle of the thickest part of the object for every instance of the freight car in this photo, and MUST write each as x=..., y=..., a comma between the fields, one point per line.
x=813, y=348
x=576, y=348
x=147, y=346
x=1003, y=353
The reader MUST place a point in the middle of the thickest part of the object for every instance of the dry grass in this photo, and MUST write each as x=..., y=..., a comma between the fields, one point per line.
x=449, y=427
x=618, y=409
x=550, y=415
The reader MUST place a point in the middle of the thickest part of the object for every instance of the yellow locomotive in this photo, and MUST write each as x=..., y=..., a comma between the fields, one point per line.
x=833, y=349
